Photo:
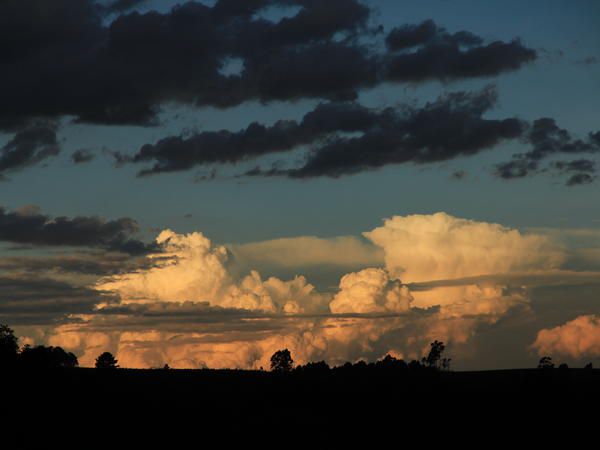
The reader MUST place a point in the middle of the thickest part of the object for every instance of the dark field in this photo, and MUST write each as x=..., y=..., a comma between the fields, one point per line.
x=508, y=401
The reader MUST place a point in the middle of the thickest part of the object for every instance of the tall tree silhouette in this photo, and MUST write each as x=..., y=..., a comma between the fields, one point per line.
x=282, y=361
x=106, y=361
x=435, y=354
x=545, y=363
x=9, y=346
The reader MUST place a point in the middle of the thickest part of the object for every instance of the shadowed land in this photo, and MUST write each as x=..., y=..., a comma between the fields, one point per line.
x=45, y=387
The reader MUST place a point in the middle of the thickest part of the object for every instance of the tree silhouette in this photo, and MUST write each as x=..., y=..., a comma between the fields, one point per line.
x=106, y=361
x=435, y=354
x=314, y=368
x=282, y=361
x=41, y=357
x=446, y=363
x=9, y=346
x=545, y=363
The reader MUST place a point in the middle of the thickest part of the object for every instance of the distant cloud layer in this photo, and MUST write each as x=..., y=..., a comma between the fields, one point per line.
x=190, y=307
x=30, y=227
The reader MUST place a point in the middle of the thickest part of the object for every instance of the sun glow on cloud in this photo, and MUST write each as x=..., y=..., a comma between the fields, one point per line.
x=576, y=338
x=212, y=317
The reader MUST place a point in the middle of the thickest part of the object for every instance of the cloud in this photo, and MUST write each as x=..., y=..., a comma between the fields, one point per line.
x=189, y=306
x=36, y=300
x=326, y=50
x=82, y=156
x=547, y=139
x=427, y=32
x=303, y=252
x=176, y=153
x=442, y=55
x=345, y=138
x=32, y=144
x=190, y=268
x=99, y=263
x=29, y=226
x=580, y=178
x=370, y=291
x=440, y=246
x=450, y=127
x=243, y=342
x=577, y=338
x=118, y=6
x=418, y=135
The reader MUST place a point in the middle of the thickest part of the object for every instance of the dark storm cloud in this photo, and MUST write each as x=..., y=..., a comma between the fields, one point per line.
x=91, y=263
x=438, y=54
x=179, y=153
x=580, y=178
x=578, y=165
x=118, y=6
x=34, y=300
x=61, y=58
x=427, y=32
x=29, y=226
x=446, y=60
x=346, y=138
x=517, y=168
x=29, y=146
x=450, y=127
x=82, y=156
x=547, y=140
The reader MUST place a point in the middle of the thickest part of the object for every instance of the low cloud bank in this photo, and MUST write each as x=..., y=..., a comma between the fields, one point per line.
x=441, y=277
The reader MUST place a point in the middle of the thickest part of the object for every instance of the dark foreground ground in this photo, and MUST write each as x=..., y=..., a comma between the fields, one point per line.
x=152, y=404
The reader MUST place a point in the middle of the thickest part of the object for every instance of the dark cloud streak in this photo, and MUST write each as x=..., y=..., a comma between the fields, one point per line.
x=31, y=227
x=29, y=146
x=547, y=140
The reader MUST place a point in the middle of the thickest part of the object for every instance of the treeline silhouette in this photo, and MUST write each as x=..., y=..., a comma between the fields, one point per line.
x=43, y=357
x=282, y=362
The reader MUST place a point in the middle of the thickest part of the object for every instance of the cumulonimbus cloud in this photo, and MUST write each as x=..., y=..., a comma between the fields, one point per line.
x=191, y=268
x=443, y=278
x=440, y=246
x=370, y=291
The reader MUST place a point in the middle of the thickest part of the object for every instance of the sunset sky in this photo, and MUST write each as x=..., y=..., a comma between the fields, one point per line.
x=204, y=183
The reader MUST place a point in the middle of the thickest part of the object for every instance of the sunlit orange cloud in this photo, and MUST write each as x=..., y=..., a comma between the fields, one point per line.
x=191, y=268
x=441, y=247
x=335, y=339
x=417, y=248
x=577, y=338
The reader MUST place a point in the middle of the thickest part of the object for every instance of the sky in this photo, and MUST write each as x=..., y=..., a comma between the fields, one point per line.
x=203, y=183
